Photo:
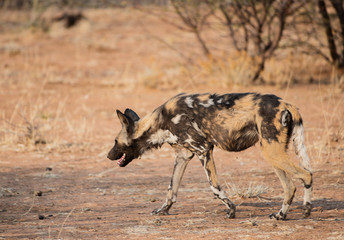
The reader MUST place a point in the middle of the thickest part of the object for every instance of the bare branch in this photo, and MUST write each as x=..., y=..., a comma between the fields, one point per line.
x=163, y=18
x=159, y=39
x=194, y=14
x=229, y=25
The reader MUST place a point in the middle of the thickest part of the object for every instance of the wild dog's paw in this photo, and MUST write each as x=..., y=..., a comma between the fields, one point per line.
x=278, y=216
x=160, y=211
x=231, y=212
x=307, y=209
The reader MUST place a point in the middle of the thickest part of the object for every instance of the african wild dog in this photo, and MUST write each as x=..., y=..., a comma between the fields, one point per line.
x=194, y=124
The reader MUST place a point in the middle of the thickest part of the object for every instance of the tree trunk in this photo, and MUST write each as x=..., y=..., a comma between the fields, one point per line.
x=260, y=69
x=338, y=6
x=328, y=30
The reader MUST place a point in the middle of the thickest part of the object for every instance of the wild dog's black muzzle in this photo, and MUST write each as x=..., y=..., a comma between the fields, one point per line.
x=109, y=156
x=123, y=160
x=112, y=155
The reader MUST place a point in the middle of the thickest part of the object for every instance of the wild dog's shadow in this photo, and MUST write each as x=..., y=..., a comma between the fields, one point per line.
x=328, y=204
x=323, y=204
x=319, y=206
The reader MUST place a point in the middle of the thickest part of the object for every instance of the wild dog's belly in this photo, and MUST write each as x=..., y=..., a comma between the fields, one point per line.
x=231, y=129
x=230, y=140
x=236, y=139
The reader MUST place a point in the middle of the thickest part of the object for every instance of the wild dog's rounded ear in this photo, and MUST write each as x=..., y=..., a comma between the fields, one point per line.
x=122, y=118
x=126, y=122
x=131, y=114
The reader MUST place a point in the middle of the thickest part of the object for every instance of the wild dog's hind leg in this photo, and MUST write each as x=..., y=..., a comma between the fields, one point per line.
x=276, y=154
x=209, y=167
x=183, y=156
x=289, y=192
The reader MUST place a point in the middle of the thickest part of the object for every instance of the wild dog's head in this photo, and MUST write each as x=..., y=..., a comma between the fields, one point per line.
x=125, y=148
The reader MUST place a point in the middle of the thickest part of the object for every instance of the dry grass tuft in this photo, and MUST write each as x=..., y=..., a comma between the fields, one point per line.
x=250, y=191
x=25, y=126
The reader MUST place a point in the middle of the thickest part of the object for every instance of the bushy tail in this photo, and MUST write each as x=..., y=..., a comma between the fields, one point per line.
x=298, y=138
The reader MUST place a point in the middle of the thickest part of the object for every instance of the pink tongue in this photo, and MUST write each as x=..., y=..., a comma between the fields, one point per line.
x=121, y=159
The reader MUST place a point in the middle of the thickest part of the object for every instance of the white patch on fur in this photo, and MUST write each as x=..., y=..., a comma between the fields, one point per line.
x=189, y=102
x=162, y=136
x=190, y=141
x=300, y=149
x=195, y=126
x=176, y=119
x=208, y=104
x=284, y=118
x=307, y=197
x=284, y=208
x=219, y=101
x=221, y=193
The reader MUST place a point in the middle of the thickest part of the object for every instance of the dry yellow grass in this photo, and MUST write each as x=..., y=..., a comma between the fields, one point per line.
x=37, y=124
x=253, y=190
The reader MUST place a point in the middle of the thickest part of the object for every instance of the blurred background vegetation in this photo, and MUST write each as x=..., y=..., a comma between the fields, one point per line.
x=29, y=4
x=256, y=30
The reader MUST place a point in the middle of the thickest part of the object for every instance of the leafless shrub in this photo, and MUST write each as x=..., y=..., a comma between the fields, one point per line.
x=255, y=27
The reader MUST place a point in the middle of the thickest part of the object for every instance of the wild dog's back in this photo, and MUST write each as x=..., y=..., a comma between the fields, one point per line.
x=233, y=122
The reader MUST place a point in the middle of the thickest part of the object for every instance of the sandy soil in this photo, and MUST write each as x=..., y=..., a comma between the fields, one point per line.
x=65, y=188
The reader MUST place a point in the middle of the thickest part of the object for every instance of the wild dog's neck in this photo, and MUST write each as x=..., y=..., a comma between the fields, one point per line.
x=148, y=130
x=147, y=123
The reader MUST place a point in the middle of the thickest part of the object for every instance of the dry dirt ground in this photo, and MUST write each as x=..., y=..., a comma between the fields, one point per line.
x=58, y=184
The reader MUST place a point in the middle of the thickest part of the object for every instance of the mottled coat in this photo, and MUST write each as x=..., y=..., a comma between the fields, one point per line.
x=195, y=124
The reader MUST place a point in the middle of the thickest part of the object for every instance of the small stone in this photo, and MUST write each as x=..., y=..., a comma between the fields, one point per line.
x=38, y=193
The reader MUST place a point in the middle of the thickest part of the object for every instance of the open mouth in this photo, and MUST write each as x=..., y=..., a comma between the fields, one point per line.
x=121, y=161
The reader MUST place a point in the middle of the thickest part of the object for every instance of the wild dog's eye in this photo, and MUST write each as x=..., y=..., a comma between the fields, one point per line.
x=116, y=142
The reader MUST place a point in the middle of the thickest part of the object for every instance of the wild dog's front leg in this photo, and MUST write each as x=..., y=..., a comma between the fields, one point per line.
x=209, y=167
x=183, y=156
